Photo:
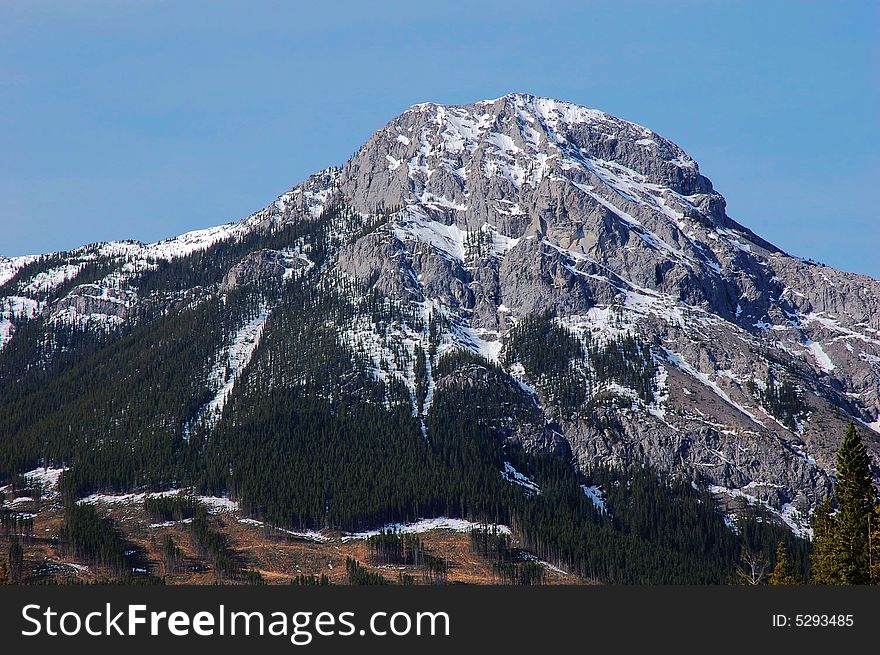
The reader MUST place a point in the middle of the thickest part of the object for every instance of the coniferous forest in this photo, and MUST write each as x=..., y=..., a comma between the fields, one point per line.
x=311, y=438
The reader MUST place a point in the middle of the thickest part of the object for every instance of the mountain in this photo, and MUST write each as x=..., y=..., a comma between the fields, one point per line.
x=483, y=293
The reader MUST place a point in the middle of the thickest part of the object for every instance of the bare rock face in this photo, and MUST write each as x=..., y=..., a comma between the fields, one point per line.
x=93, y=303
x=258, y=266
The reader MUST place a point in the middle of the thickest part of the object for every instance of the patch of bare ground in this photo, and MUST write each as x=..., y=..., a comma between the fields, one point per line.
x=277, y=556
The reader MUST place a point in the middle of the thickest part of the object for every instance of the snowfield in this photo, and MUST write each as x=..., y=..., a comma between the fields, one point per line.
x=426, y=525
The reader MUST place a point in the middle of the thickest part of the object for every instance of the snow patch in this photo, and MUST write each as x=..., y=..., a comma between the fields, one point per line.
x=9, y=266
x=798, y=523
x=821, y=357
x=512, y=475
x=214, y=504
x=217, y=504
x=47, y=478
x=124, y=499
x=447, y=239
x=309, y=535
x=529, y=557
x=596, y=496
x=427, y=525
x=228, y=369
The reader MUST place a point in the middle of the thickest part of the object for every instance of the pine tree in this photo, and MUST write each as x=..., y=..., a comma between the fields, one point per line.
x=16, y=561
x=874, y=547
x=783, y=573
x=856, y=498
x=824, y=567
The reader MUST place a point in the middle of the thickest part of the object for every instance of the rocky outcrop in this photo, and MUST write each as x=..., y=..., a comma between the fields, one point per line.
x=259, y=266
x=94, y=301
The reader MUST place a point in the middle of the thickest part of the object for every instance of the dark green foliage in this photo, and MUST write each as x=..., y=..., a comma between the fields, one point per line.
x=824, y=564
x=626, y=361
x=541, y=346
x=660, y=531
x=328, y=444
x=458, y=360
x=405, y=579
x=394, y=548
x=759, y=534
x=87, y=536
x=491, y=544
x=568, y=371
x=312, y=436
x=562, y=526
x=783, y=571
x=520, y=573
x=116, y=411
x=478, y=243
x=16, y=523
x=297, y=462
x=170, y=508
x=435, y=329
x=171, y=555
x=379, y=219
x=782, y=400
x=251, y=577
x=204, y=268
x=420, y=370
x=857, y=499
x=213, y=546
x=358, y=575
x=114, y=404
x=89, y=270
x=843, y=541
x=435, y=568
x=15, y=561
x=508, y=565
x=304, y=580
x=552, y=356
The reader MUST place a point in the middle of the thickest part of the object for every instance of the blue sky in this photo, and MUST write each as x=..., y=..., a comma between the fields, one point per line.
x=145, y=119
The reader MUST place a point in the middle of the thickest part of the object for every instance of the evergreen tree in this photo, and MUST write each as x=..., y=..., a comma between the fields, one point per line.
x=783, y=572
x=16, y=561
x=874, y=547
x=171, y=555
x=856, y=498
x=358, y=575
x=824, y=567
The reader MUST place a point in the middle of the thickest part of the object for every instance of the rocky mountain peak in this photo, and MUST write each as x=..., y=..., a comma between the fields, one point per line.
x=461, y=160
x=511, y=207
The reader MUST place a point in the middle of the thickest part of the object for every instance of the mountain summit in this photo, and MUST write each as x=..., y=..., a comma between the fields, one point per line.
x=551, y=278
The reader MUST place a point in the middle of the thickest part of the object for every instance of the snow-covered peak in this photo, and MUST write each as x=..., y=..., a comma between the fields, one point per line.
x=465, y=161
x=536, y=114
x=549, y=108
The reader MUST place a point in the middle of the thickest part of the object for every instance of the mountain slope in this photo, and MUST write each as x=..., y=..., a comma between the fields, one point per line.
x=613, y=315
